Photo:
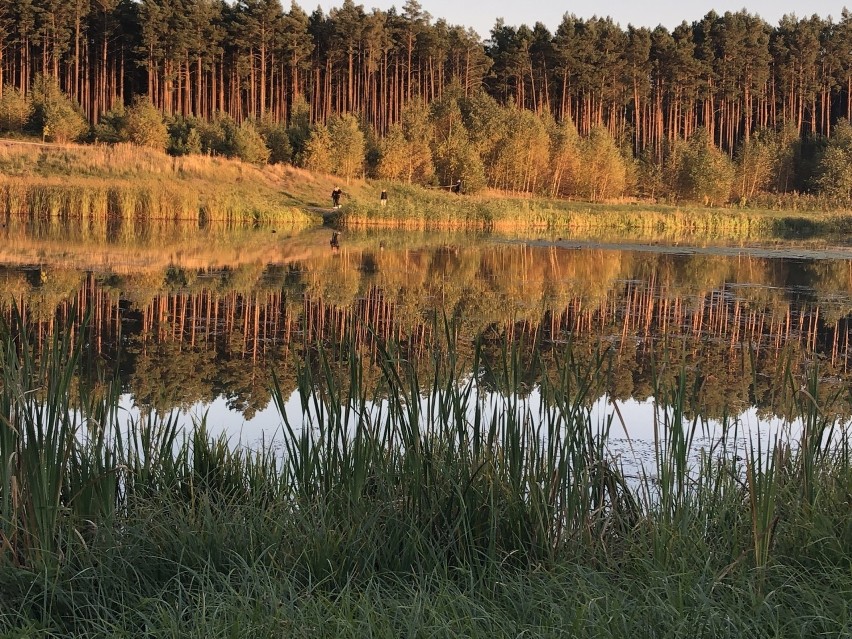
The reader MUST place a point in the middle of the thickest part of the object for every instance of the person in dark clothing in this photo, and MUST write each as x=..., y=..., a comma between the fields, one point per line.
x=383, y=198
x=335, y=243
x=335, y=197
x=456, y=188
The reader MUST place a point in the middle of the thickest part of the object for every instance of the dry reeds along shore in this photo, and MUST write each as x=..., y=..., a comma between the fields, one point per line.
x=468, y=503
x=418, y=208
x=97, y=183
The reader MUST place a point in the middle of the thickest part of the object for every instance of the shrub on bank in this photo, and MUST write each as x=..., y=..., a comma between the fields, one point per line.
x=248, y=145
x=15, y=110
x=55, y=116
x=144, y=125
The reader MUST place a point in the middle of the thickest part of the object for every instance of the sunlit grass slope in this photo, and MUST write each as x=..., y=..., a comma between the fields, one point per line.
x=127, y=182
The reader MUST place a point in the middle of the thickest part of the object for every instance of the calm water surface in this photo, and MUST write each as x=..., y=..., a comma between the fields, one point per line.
x=195, y=319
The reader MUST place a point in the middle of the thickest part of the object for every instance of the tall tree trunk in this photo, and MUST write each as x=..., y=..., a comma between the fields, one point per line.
x=263, y=76
x=199, y=83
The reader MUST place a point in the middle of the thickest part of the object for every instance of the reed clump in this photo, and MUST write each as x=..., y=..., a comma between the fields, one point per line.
x=128, y=182
x=418, y=208
x=478, y=501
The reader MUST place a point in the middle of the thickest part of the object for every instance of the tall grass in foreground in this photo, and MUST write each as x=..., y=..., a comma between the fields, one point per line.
x=471, y=491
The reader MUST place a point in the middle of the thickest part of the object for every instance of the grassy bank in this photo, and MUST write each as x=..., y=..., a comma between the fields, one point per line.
x=93, y=183
x=463, y=513
x=417, y=208
x=140, y=186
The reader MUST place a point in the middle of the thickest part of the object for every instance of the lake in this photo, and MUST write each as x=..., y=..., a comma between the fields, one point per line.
x=196, y=319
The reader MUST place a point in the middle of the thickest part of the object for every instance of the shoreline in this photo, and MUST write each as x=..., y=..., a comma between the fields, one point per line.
x=123, y=182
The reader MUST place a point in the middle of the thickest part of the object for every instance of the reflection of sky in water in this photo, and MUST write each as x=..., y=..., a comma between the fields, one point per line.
x=620, y=292
x=631, y=441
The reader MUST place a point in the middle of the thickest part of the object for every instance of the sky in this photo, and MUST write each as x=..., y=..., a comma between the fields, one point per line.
x=481, y=14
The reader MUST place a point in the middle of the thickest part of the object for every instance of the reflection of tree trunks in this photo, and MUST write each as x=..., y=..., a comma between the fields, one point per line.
x=648, y=314
x=643, y=311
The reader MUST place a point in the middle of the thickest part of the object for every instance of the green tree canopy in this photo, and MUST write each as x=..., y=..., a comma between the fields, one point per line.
x=347, y=146
x=15, y=109
x=602, y=171
x=112, y=127
x=55, y=116
x=706, y=174
x=249, y=145
x=144, y=125
x=317, y=155
x=834, y=171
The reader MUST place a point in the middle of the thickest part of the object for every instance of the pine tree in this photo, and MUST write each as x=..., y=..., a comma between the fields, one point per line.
x=297, y=48
x=299, y=129
x=259, y=32
x=112, y=126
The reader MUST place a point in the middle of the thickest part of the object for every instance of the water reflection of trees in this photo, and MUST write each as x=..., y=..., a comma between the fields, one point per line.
x=734, y=324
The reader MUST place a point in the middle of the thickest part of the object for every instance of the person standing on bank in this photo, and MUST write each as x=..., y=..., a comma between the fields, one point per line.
x=456, y=188
x=335, y=197
x=383, y=198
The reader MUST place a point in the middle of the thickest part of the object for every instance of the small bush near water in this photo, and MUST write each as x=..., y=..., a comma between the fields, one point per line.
x=450, y=512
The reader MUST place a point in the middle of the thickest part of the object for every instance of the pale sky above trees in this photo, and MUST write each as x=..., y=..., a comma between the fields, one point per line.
x=481, y=14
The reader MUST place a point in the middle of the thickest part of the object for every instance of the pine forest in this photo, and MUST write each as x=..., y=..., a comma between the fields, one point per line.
x=726, y=109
